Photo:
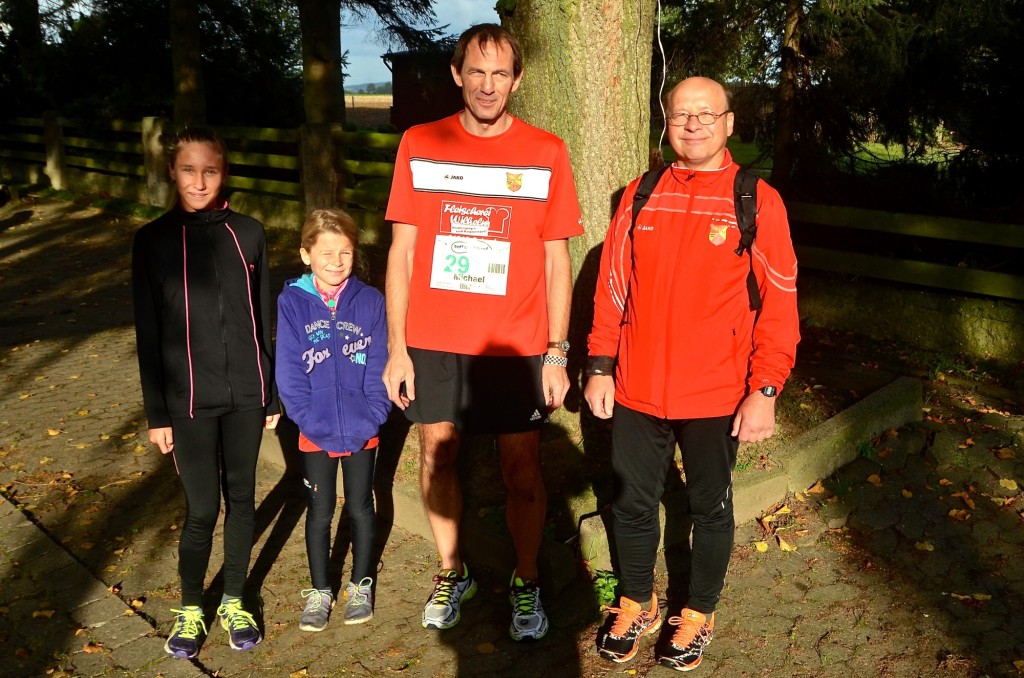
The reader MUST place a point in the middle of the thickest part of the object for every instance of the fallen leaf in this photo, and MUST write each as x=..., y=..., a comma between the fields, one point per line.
x=45, y=614
x=46, y=461
x=967, y=443
x=4, y=609
x=945, y=482
x=22, y=653
x=24, y=395
x=80, y=631
x=137, y=603
x=1019, y=664
x=783, y=511
x=115, y=588
x=128, y=436
x=884, y=452
x=800, y=498
x=85, y=546
x=92, y=648
x=924, y=546
x=83, y=412
x=1005, y=453
x=907, y=494
x=104, y=436
x=298, y=674
x=959, y=514
x=761, y=546
x=784, y=545
x=999, y=501
x=485, y=648
x=981, y=596
x=53, y=431
x=959, y=596
x=816, y=488
x=1008, y=483
x=875, y=480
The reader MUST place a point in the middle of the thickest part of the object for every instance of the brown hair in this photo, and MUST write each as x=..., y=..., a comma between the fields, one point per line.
x=173, y=143
x=486, y=34
x=339, y=222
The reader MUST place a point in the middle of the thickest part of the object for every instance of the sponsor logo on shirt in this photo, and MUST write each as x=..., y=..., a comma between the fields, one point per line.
x=513, y=181
x=475, y=219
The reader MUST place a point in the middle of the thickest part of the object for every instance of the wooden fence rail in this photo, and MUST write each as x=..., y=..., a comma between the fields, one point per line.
x=125, y=158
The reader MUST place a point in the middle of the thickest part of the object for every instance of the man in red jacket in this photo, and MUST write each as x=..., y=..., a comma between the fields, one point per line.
x=678, y=353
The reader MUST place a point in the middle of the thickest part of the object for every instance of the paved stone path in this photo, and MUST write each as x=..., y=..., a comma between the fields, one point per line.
x=879, y=579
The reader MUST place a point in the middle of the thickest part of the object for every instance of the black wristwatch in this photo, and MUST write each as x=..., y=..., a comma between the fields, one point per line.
x=562, y=346
x=769, y=391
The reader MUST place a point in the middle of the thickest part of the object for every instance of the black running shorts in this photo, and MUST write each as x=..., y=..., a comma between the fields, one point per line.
x=479, y=394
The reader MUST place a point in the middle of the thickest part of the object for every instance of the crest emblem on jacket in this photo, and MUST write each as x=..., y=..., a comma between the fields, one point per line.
x=513, y=181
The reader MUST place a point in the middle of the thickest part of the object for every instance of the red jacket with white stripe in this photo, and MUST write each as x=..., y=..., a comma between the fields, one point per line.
x=672, y=306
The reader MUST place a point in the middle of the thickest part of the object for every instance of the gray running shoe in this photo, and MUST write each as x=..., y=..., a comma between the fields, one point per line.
x=528, y=619
x=318, y=610
x=450, y=591
x=359, y=601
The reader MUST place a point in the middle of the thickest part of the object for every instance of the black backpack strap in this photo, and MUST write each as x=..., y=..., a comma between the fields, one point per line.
x=745, y=199
x=643, y=193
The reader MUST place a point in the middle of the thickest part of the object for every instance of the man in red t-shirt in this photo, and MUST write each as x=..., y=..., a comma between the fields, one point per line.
x=478, y=289
x=679, y=355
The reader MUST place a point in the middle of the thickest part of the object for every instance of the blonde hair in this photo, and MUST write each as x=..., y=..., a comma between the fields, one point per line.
x=334, y=221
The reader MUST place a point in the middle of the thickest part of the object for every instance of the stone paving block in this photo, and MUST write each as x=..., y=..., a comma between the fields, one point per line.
x=171, y=667
x=19, y=540
x=911, y=525
x=879, y=517
x=100, y=611
x=835, y=514
x=946, y=448
x=118, y=632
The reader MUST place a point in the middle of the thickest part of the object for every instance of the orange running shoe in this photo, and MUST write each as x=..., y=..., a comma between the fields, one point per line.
x=693, y=633
x=619, y=637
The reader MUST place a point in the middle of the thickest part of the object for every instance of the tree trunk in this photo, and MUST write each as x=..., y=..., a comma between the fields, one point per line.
x=587, y=79
x=187, y=63
x=322, y=92
x=27, y=35
x=785, y=107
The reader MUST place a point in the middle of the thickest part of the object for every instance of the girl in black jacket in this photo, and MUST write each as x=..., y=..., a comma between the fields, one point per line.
x=200, y=281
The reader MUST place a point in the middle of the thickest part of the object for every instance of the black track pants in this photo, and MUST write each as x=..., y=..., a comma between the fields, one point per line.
x=321, y=472
x=642, y=451
x=203, y=472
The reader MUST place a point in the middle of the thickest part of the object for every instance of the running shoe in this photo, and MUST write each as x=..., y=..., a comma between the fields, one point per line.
x=528, y=619
x=240, y=625
x=619, y=637
x=450, y=591
x=185, y=635
x=359, y=601
x=318, y=609
x=693, y=633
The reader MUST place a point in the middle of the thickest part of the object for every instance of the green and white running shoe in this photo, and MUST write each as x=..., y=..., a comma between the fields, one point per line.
x=450, y=591
x=528, y=619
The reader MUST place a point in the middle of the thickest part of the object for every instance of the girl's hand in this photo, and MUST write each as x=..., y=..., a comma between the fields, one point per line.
x=162, y=438
x=272, y=420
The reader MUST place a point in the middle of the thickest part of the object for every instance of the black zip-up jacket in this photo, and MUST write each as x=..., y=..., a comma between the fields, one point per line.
x=201, y=286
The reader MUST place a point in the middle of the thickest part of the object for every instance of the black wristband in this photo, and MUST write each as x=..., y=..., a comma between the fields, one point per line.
x=600, y=365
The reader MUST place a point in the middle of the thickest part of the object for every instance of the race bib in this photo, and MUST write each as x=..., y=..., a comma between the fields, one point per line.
x=473, y=265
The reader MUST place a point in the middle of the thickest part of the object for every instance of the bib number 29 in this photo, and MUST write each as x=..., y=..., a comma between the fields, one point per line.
x=454, y=263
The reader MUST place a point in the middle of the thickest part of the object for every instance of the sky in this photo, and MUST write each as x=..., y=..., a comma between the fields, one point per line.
x=364, y=51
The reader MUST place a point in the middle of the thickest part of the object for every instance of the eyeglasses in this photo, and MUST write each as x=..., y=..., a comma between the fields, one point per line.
x=704, y=118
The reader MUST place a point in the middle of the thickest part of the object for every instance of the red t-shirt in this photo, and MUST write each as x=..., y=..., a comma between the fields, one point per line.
x=483, y=208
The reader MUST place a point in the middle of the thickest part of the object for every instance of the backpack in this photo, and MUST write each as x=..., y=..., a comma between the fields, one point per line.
x=745, y=199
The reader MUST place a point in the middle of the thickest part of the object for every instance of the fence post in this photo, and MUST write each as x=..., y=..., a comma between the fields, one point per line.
x=316, y=154
x=158, y=183
x=53, y=147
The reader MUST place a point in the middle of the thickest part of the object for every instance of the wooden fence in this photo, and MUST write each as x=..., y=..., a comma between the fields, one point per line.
x=277, y=173
x=267, y=166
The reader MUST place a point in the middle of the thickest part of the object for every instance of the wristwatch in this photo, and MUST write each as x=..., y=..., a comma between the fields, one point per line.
x=769, y=391
x=562, y=346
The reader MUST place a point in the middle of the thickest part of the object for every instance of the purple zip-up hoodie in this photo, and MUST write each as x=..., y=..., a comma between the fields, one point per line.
x=201, y=288
x=331, y=362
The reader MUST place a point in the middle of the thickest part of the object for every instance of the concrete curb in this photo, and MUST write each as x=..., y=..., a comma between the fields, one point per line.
x=62, y=599
x=814, y=455
x=811, y=457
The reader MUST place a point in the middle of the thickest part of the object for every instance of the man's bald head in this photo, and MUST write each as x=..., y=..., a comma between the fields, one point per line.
x=699, y=145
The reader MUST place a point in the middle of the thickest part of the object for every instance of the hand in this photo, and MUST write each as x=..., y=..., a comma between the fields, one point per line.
x=163, y=438
x=555, y=382
x=272, y=420
x=397, y=371
x=600, y=395
x=755, y=418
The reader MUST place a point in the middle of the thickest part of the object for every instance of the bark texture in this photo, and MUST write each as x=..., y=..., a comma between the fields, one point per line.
x=321, y=60
x=785, y=106
x=187, y=63
x=587, y=79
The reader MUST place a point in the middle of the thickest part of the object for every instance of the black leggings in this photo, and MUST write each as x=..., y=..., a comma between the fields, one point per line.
x=642, y=451
x=321, y=471
x=202, y=470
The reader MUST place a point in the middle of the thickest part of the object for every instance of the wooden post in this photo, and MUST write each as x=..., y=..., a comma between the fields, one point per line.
x=53, y=147
x=158, y=182
x=316, y=153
